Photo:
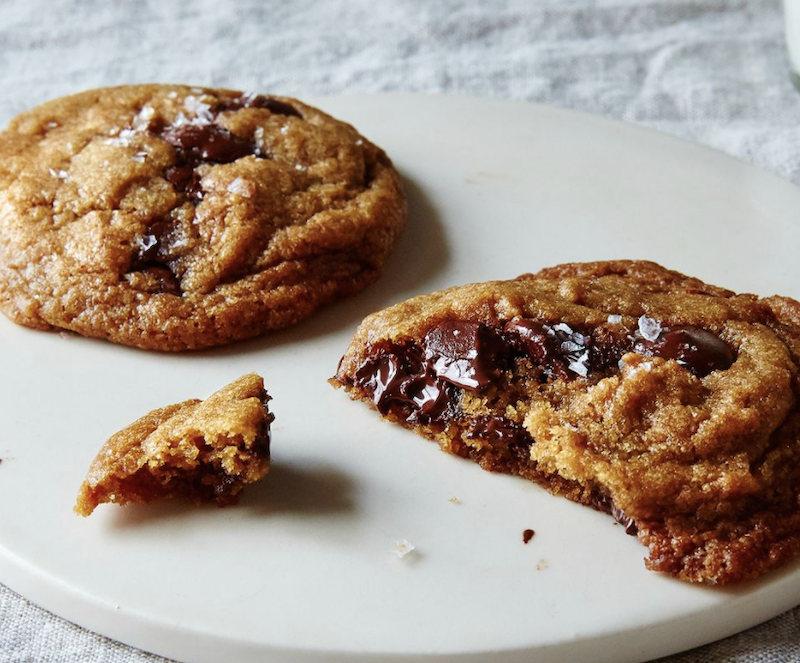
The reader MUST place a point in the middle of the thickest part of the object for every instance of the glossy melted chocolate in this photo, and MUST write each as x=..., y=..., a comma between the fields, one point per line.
x=697, y=350
x=196, y=144
x=470, y=355
x=273, y=105
x=604, y=504
x=423, y=382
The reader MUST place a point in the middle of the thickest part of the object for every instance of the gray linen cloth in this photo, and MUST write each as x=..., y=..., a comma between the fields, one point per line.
x=712, y=71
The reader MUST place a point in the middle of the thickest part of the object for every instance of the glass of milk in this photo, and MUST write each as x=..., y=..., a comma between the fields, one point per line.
x=792, y=13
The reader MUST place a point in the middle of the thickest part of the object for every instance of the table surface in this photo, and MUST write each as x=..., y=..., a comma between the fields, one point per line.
x=713, y=72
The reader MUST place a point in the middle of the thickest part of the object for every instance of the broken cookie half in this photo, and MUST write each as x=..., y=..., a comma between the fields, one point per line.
x=203, y=451
x=666, y=402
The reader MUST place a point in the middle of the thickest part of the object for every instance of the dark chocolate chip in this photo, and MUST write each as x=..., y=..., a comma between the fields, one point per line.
x=698, y=350
x=563, y=352
x=527, y=535
x=167, y=281
x=208, y=142
x=606, y=505
x=490, y=427
x=222, y=485
x=186, y=180
x=530, y=337
x=466, y=354
x=424, y=382
x=261, y=445
x=273, y=105
x=407, y=382
x=155, y=255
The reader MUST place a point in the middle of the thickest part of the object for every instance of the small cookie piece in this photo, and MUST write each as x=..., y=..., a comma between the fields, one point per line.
x=170, y=217
x=669, y=403
x=204, y=451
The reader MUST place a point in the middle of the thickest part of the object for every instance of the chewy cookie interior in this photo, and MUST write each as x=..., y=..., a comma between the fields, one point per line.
x=669, y=403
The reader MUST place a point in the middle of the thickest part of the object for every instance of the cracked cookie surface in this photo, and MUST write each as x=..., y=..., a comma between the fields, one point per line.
x=170, y=217
x=667, y=402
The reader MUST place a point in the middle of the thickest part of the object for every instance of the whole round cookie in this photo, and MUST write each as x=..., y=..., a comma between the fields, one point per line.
x=667, y=402
x=171, y=217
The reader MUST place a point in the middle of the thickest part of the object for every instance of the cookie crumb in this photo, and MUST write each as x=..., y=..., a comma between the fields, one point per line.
x=454, y=500
x=402, y=547
x=542, y=565
x=527, y=535
x=203, y=451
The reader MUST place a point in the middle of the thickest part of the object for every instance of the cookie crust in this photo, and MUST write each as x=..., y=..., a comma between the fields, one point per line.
x=170, y=217
x=696, y=451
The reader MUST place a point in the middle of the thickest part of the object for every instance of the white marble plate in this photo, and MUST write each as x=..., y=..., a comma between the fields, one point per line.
x=304, y=569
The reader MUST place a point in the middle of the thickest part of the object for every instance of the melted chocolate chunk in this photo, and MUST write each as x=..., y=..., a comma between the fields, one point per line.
x=489, y=427
x=155, y=256
x=469, y=355
x=456, y=354
x=697, y=350
x=186, y=179
x=196, y=144
x=222, y=485
x=167, y=281
x=466, y=354
x=607, y=348
x=207, y=142
x=272, y=104
x=562, y=352
x=606, y=505
x=408, y=382
x=261, y=445
x=566, y=353
x=155, y=244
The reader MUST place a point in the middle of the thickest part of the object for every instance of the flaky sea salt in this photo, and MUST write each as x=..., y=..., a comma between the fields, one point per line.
x=121, y=138
x=198, y=109
x=580, y=365
x=142, y=120
x=402, y=548
x=241, y=187
x=614, y=319
x=146, y=242
x=649, y=329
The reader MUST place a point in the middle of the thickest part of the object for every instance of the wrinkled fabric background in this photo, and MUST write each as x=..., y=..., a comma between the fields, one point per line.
x=711, y=71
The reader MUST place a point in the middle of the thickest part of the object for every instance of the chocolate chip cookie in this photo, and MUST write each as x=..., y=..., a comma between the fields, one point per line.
x=666, y=402
x=203, y=451
x=169, y=217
